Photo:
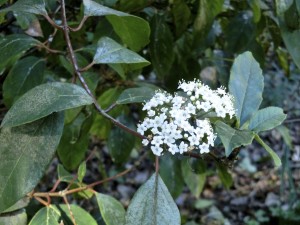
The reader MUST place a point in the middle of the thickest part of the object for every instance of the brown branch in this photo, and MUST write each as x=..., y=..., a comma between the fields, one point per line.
x=87, y=67
x=82, y=81
x=80, y=25
x=156, y=164
x=52, y=22
x=42, y=45
x=109, y=108
x=70, y=211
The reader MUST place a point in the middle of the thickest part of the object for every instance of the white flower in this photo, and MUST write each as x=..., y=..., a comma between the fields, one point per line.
x=204, y=148
x=145, y=142
x=156, y=150
x=183, y=147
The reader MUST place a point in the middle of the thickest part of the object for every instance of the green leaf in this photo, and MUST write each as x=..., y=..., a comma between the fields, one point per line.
x=22, y=203
x=112, y=211
x=55, y=214
x=13, y=46
x=266, y=119
x=120, y=143
x=136, y=95
x=28, y=6
x=225, y=177
x=25, y=152
x=255, y=6
x=64, y=175
x=152, y=204
x=75, y=140
x=195, y=182
x=132, y=6
x=44, y=100
x=246, y=85
x=181, y=13
x=232, y=138
x=174, y=180
x=109, y=51
x=283, y=5
x=25, y=74
x=17, y=218
x=274, y=156
x=133, y=31
x=161, y=46
x=285, y=133
x=81, y=171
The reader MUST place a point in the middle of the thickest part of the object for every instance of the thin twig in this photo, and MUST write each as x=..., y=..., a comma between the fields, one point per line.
x=156, y=164
x=70, y=211
x=109, y=108
x=292, y=120
x=80, y=25
x=87, y=67
x=52, y=22
x=82, y=81
x=42, y=45
x=41, y=200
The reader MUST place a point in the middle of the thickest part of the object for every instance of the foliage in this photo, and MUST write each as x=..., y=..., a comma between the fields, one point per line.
x=82, y=76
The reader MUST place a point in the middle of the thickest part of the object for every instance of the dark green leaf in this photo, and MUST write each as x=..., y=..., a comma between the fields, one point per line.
x=111, y=210
x=195, y=182
x=266, y=119
x=181, y=14
x=92, y=8
x=22, y=203
x=225, y=177
x=274, y=156
x=25, y=152
x=232, y=138
x=28, y=6
x=171, y=173
x=44, y=100
x=17, y=218
x=25, y=74
x=81, y=171
x=64, y=175
x=246, y=85
x=283, y=5
x=152, y=204
x=120, y=143
x=13, y=46
x=161, y=46
x=135, y=95
x=255, y=6
x=54, y=214
x=132, y=6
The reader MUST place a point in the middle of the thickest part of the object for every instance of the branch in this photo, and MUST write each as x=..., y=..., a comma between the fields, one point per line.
x=52, y=22
x=82, y=81
x=80, y=25
x=42, y=45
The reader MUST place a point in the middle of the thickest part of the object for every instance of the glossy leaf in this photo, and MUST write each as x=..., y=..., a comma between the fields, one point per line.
x=25, y=152
x=232, y=138
x=22, y=203
x=266, y=119
x=55, y=214
x=170, y=172
x=161, y=46
x=13, y=46
x=246, y=85
x=17, y=218
x=194, y=181
x=181, y=14
x=112, y=211
x=152, y=204
x=28, y=6
x=274, y=156
x=81, y=171
x=120, y=143
x=224, y=175
x=135, y=95
x=25, y=74
x=64, y=175
x=109, y=51
x=133, y=31
x=48, y=98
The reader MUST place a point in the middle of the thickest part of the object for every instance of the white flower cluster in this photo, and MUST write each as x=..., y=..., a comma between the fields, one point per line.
x=172, y=122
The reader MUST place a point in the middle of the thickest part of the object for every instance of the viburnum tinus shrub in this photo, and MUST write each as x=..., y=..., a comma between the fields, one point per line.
x=58, y=98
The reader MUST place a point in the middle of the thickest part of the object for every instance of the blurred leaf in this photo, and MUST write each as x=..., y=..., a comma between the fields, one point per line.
x=225, y=177
x=285, y=133
x=181, y=13
x=25, y=152
x=266, y=119
x=25, y=74
x=232, y=138
x=120, y=143
x=75, y=139
x=28, y=6
x=13, y=46
x=81, y=171
x=255, y=6
x=54, y=214
x=161, y=46
x=283, y=5
x=109, y=51
x=135, y=95
x=64, y=175
x=111, y=209
x=152, y=204
x=133, y=31
x=274, y=156
x=246, y=85
x=48, y=98
x=170, y=172
x=194, y=181
x=203, y=203
x=131, y=6
x=17, y=218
